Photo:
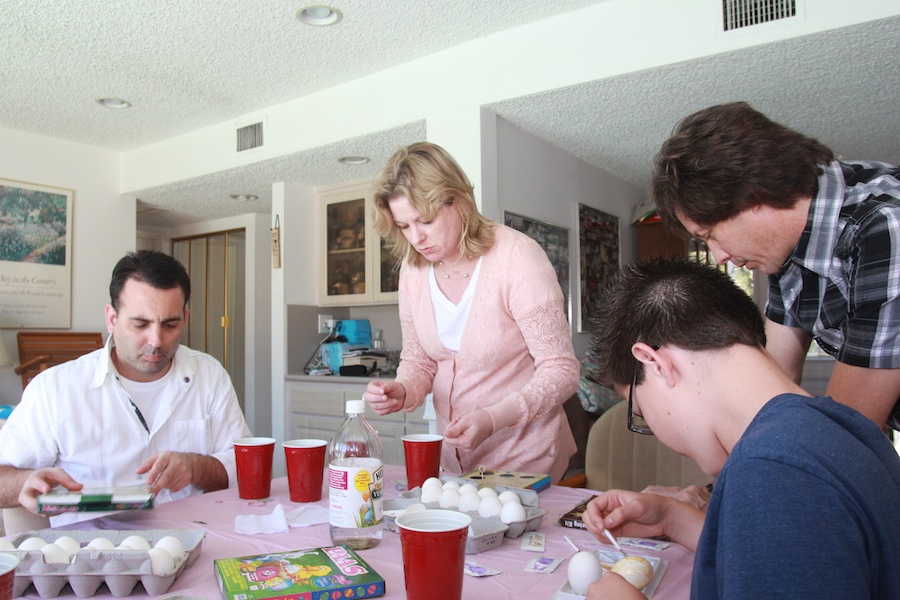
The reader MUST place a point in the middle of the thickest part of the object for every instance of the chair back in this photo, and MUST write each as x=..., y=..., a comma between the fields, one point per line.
x=620, y=459
x=39, y=350
x=18, y=520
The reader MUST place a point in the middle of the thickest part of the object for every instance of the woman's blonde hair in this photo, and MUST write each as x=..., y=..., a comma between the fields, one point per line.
x=428, y=176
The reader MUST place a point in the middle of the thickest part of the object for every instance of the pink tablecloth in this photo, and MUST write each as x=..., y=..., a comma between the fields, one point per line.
x=215, y=513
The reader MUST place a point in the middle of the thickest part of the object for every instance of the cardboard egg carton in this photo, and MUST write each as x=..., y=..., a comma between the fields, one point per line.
x=120, y=570
x=486, y=532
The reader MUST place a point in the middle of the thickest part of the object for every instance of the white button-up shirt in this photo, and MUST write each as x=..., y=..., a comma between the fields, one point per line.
x=77, y=416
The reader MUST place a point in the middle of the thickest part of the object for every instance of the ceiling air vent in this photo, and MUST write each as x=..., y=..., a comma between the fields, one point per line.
x=744, y=13
x=250, y=137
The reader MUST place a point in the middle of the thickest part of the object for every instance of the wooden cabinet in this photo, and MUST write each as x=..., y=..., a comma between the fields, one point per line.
x=655, y=239
x=317, y=408
x=354, y=265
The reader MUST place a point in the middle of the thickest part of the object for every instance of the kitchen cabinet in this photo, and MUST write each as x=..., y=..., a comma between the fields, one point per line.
x=317, y=408
x=355, y=267
x=655, y=239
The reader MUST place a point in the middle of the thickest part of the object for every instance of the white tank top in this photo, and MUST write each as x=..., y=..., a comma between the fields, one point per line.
x=450, y=319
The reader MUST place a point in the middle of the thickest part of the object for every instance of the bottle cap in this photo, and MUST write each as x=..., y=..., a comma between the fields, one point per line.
x=356, y=406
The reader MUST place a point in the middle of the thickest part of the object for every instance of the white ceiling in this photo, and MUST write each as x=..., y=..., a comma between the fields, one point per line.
x=189, y=65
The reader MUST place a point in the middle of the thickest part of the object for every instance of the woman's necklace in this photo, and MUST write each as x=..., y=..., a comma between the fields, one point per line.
x=448, y=273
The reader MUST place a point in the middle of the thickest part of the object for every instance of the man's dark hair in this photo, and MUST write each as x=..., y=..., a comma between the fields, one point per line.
x=669, y=301
x=154, y=268
x=725, y=159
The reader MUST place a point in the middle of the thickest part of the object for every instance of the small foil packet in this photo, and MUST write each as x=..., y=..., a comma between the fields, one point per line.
x=643, y=543
x=473, y=569
x=543, y=564
x=533, y=541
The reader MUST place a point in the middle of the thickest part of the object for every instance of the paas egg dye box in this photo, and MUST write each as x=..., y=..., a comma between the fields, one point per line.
x=60, y=500
x=514, y=479
x=312, y=574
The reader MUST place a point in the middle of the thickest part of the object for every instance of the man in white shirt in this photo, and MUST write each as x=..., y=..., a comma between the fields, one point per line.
x=142, y=410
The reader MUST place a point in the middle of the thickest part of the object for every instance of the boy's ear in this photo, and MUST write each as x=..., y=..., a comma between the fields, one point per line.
x=657, y=362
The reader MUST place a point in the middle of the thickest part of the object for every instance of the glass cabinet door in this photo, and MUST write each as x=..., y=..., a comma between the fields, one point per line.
x=346, y=240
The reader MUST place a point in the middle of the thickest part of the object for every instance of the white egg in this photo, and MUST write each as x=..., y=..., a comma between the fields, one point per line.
x=490, y=507
x=509, y=496
x=125, y=547
x=432, y=481
x=469, y=501
x=415, y=508
x=468, y=487
x=636, y=570
x=101, y=543
x=161, y=562
x=451, y=485
x=69, y=544
x=6, y=545
x=173, y=546
x=432, y=493
x=584, y=569
x=32, y=543
x=449, y=498
x=512, y=512
x=54, y=554
x=137, y=542
x=487, y=491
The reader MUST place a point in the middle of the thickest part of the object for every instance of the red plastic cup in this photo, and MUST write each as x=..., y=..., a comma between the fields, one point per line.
x=8, y=564
x=254, y=466
x=423, y=457
x=433, y=543
x=305, y=461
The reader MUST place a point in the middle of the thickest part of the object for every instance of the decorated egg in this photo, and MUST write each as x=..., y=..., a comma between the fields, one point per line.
x=637, y=570
x=512, y=512
x=584, y=569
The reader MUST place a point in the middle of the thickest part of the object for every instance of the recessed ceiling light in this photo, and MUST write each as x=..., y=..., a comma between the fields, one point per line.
x=244, y=197
x=114, y=103
x=354, y=160
x=318, y=14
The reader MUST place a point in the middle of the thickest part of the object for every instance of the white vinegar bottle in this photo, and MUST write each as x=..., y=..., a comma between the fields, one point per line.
x=355, y=480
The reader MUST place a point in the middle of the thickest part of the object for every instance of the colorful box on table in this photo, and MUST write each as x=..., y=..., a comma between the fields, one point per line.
x=514, y=479
x=313, y=574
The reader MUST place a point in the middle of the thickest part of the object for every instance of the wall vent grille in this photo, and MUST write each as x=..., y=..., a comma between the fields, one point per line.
x=250, y=137
x=744, y=13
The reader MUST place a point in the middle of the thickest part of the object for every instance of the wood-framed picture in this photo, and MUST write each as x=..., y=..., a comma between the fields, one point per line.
x=598, y=259
x=35, y=255
x=555, y=242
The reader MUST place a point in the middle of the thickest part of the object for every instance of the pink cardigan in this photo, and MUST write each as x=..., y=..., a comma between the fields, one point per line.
x=515, y=359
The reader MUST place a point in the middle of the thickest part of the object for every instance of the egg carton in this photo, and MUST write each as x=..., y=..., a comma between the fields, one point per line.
x=528, y=497
x=120, y=570
x=487, y=532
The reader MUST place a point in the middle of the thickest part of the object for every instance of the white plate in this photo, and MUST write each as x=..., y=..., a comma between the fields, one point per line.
x=607, y=560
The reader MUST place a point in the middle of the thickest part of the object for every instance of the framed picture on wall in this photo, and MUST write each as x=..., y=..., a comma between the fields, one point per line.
x=35, y=255
x=598, y=259
x=555, y=242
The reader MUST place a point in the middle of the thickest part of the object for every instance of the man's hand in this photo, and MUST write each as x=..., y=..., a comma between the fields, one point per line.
x=41, y=481
x=468, y=431
x=614, y=586
x=168, y=470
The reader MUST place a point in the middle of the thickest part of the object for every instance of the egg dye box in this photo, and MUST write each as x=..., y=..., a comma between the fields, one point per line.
x=120, y=570
x=330, y=572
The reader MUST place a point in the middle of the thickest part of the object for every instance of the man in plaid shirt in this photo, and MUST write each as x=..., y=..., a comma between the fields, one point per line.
x=827, y=232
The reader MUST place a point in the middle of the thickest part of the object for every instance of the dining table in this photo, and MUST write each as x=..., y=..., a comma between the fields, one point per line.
x=215, y=513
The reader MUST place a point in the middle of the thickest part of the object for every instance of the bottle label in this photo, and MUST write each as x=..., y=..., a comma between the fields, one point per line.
x=355, y=494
